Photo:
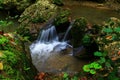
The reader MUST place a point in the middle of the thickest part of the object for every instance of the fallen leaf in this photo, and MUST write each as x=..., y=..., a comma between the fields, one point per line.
x=118, y=52
x=114, y=58
x=108, y=37
x=1, y=66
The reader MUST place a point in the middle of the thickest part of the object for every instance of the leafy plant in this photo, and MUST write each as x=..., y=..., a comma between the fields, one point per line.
x=92, y=67
x=3, y=40
x=86, y=40
x=62, y=17
x=5, y=23
x=107, y=30
x=58, y=2
x=79, y=27
x=65, y=76
x=98, y=54
x=95, y=66
x=1, y=4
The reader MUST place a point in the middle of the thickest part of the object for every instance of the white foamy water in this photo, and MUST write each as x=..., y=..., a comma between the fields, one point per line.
x=50, y=55
x=40, y=52
x=46, y=46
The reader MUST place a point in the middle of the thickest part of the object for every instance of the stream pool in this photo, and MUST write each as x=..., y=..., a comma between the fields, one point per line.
x=92, y=14
x=60, y=62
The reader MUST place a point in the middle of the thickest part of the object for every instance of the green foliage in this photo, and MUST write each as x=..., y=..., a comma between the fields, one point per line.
x=24, y=32
x=117, y=29
x=102, y=62
x=100, y=54
x=16, y=64
x=5, y=23
x=107, y=30
x=10, y=57
x=92, y=67
x=86, y=40
x=75, y=78
x=1, y=7
x=62, y=17
x=19, y=5
x=65, y=76
x=78, y=32
x=113, y=76
x=38, y=20
x=81, y=22
x=58, y=2
x=111, y=31
x=3, y=40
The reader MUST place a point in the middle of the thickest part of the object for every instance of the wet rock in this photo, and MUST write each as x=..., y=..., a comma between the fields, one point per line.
x=78, y=31
x=85, y=51
x=62, y=21
x=77, y=52
x=37, y=16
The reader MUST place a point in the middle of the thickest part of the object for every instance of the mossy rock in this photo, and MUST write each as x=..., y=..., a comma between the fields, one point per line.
x=15, y=59
x=36, y=16
x=78, y=31
x=19, y=5
x=62, y=21
x=38, y=12
x=58, y=2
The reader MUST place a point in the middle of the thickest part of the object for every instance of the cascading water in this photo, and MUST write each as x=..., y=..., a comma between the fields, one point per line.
x=45, y=53
x=66, y=34
x=46, y=45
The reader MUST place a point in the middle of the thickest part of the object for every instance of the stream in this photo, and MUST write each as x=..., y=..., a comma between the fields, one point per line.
x=92, y=14
x=62, y=60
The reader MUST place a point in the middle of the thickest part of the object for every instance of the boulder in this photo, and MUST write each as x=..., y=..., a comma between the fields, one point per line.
x=40, y=11
x=15, y=61
x=18, y=5
x=78, y=31
x=80, y=51
x=37, y=16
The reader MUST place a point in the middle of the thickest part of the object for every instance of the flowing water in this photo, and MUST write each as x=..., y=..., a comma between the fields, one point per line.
x=47, y=52
x=66, y=34
x=50, y=55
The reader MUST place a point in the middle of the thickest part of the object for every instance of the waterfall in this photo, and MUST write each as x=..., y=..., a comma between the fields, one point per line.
x=46, y=45
x=48, y=35
x=66, y=34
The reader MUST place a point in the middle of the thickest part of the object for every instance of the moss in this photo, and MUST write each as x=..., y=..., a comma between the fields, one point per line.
x=38, y=12
x=34, y=17
x=62, y=20
x=19, y=5
x=16, y=62
x=78, y=31
x=58, y=2
x=62, y=17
